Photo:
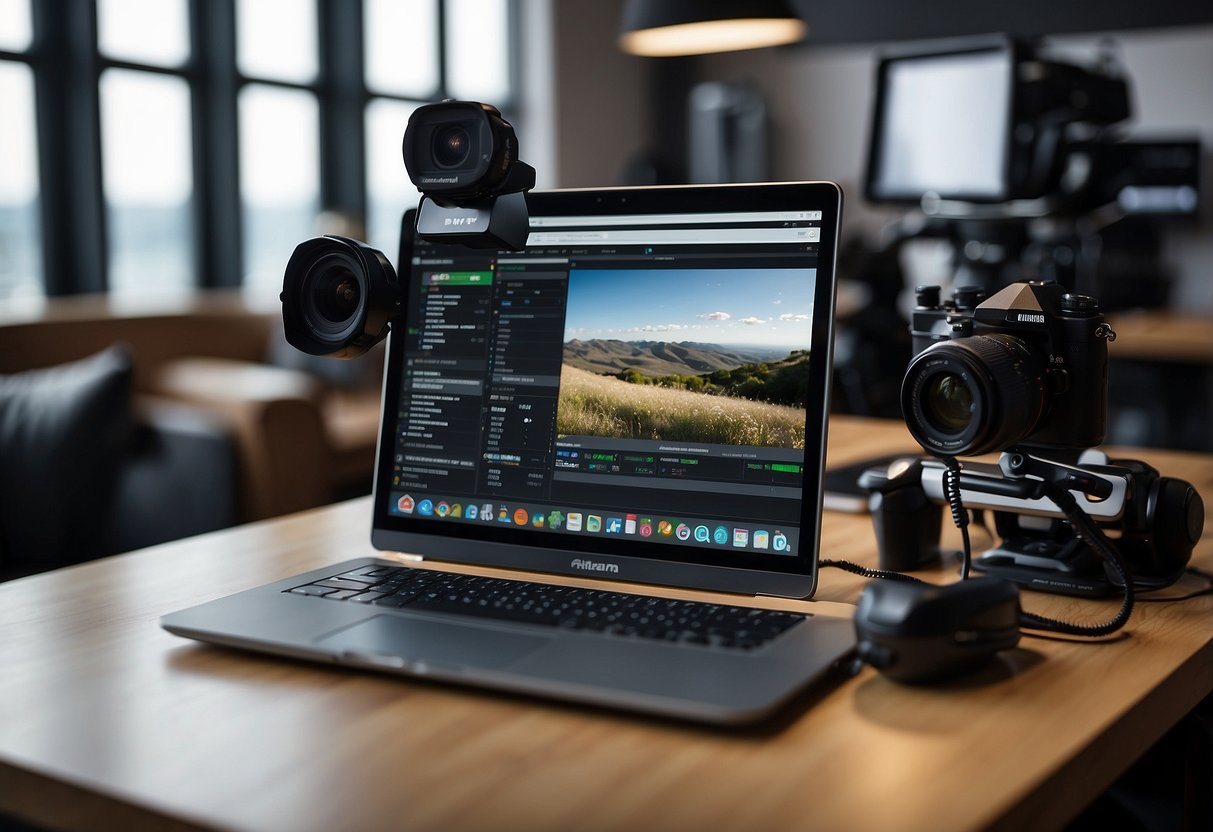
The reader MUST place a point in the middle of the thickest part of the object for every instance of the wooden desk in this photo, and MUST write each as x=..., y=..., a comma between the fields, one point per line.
x=1162, y=335
x=106, y=721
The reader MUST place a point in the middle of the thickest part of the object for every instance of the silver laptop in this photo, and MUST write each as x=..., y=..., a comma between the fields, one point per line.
x=640, y=395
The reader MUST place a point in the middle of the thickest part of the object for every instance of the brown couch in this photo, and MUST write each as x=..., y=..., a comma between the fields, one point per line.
x=300, y=440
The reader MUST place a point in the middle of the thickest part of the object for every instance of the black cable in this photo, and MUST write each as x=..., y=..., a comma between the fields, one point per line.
x=1196, y=593
x=960, y=517
x=856, y=569
x=1083, y=526
x=1086, y=530
x=952, y=490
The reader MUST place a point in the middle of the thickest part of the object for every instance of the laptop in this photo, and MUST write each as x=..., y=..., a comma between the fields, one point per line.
x=639, y=395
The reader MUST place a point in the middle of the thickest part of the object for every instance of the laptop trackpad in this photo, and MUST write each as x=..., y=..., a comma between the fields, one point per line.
x=386, y=637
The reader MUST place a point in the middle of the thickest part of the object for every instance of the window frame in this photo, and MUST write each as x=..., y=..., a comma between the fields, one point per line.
x=66, y=62
x=30, y=59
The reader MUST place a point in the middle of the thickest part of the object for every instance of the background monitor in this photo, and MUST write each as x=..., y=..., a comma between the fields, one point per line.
x=942, y=126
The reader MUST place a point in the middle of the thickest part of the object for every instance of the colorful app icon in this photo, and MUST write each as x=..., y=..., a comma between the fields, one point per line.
x=573, y=521
x=593, y=523
x=457, y=510
x=555, y=519
x=741, y=538
x=406, y=504
x=537, y=519
x=473, y=512
x=614, y=525
x=646, y=526
x=683, y=532
x=443, y=508
x=720, y=535
x=779, y=541
x=702, y=534
x=521, y=517
x=629, y=524
x=665, y=528
x=503, y=514
x=426, y=507
x=762, y=538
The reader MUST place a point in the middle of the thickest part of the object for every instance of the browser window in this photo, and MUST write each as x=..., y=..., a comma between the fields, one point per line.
x=624, y=376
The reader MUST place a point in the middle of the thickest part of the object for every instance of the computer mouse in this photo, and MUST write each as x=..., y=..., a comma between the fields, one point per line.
x=920, y=633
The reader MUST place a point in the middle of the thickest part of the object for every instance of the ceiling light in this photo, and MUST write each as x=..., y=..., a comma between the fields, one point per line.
x=667, y=28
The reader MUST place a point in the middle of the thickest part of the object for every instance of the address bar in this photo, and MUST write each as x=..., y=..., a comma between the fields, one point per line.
x=676, y=236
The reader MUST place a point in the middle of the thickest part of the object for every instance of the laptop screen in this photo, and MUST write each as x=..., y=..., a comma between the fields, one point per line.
x=639, y=394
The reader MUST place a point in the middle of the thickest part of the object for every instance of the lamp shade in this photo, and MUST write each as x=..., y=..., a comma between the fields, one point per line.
x=667, y=28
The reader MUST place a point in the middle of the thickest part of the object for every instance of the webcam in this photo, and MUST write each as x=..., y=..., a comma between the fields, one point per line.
x=463, y=157
x=339, y=295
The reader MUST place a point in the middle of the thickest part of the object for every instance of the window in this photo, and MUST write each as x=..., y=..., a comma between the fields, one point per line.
x=276, y=39
x=20, y=260
x=16, y=29
x=401, y=39
x=145, y=164
x=160, y=37
x=279, y=177
x=146, y=145
x=477, y=62
x=164, y=144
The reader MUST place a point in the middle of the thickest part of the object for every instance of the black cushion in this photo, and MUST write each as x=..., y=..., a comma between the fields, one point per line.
x=63, y=433
x=178, y=480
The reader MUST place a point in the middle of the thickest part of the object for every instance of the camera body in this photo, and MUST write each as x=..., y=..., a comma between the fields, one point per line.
x=1026, y=366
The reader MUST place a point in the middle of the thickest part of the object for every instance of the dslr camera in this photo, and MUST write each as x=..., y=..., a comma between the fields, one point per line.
x=1027, y=366
x=1024, y=372
x=340, y=295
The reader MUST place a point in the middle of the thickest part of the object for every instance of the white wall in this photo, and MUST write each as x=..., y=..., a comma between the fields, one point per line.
x=820, y=100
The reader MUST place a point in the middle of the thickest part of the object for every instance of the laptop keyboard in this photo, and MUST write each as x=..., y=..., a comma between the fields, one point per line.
x=590, y=610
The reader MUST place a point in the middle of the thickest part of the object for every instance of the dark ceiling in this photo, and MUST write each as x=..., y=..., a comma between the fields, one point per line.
x=868, y=21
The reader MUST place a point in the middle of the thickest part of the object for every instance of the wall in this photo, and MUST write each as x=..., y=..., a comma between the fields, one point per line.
x=587, y=104
x=820, y=101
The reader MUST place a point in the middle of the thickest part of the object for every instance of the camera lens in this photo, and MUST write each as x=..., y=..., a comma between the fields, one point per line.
x=338, y=296
x=948, y=403
x=973, y=395
x=452, y=145
x=330, y=293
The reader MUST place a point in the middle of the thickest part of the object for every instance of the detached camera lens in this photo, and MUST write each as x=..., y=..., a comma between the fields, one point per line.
x=338, y=296
x=973, y=395
x=452, y=146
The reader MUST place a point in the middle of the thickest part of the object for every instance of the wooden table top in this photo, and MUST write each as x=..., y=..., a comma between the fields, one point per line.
x=1162, y=335
x=107, y=721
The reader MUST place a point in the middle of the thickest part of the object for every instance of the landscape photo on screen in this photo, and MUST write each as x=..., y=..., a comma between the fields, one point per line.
x=687, y=355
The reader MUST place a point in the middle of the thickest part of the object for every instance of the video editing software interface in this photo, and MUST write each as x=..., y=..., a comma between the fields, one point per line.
x=624, y=377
